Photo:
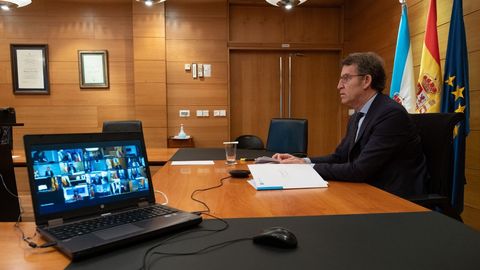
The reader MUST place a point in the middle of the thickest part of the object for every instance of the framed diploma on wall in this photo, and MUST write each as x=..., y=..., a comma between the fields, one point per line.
x=30, y=69
x=93, y=68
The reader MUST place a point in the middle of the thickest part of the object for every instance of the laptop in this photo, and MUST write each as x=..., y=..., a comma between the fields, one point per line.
x=93, y=192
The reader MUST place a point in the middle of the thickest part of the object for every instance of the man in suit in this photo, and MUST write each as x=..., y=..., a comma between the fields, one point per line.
x=382, y=146
x=49, y=172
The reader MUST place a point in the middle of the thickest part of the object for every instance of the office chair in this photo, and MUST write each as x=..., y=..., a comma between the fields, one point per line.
x=249, y=142
x=122, y=126
x=288, y=135
x=436, y=132
x=7, y=116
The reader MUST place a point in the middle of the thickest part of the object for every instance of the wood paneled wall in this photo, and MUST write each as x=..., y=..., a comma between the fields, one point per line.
x=197, y=33
x=302, y=27
x=149, y=65
x=67, y=27
x=375, y=29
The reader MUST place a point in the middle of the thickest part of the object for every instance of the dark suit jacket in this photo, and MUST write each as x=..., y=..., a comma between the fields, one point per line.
x=387, y=153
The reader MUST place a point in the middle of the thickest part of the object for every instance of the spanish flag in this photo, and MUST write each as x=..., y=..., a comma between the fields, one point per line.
x=430, y=81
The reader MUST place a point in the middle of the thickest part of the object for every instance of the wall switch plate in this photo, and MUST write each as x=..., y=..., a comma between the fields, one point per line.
x=187, y=67
x=219, y=113
x=194, y=71
x=184, y=113
x=200, y=70
x=202, y=113
x=207, y=70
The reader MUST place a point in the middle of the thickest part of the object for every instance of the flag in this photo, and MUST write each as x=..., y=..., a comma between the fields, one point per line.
x=456, y=97
x=429, y=84
x=402, y=89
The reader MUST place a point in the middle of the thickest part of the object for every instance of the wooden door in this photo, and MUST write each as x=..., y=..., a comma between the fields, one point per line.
x=314, y=96
x=268, y=84
x=254, y=92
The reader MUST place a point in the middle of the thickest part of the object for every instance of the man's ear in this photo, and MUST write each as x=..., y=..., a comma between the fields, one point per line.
x=367, y=82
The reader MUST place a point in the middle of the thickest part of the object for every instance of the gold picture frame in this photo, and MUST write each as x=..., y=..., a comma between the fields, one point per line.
x=93, y=69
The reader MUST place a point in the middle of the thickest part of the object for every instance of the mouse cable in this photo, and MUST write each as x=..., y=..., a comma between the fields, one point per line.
x=27, y=239
x=151, y=251
x=190, y=231
x=192, y=196
x=196, y=252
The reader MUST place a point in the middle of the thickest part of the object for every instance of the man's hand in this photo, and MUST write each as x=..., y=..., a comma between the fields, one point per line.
x=288, y=159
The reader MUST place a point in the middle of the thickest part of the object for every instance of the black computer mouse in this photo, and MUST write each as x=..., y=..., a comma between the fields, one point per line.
x=239, y=173
x=277, y=237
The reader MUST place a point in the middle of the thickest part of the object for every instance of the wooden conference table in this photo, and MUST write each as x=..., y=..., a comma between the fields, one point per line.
x=235, y=199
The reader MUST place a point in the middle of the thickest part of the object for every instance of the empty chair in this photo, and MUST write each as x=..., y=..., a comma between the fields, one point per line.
x=436, y=132
x=7, y=116
x=122, y=126
x=288, y=135
x=249, y=142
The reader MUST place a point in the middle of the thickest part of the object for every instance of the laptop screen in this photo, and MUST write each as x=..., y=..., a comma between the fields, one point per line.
x=83, y=172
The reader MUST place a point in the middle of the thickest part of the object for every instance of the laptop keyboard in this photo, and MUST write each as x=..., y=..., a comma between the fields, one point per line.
x=80, y=228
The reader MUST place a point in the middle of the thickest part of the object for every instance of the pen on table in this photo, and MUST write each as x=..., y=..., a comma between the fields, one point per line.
x=247, y=159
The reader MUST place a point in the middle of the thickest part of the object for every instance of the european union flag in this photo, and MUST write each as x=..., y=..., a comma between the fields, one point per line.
x=456, y=97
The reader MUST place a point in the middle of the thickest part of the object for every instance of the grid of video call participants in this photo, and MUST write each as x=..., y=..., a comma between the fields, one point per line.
x=73, y=175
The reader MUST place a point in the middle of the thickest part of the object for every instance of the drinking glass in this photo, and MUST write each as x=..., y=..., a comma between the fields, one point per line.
x=231, y=152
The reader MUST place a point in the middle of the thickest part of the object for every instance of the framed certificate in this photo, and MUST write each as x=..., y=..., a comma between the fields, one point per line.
x=93, y=68
x=30, y=68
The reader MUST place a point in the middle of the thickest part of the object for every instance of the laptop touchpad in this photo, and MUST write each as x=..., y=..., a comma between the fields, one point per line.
x=117, y=231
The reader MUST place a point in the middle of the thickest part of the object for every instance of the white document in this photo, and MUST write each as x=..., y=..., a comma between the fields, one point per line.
x=30, y=69
x=193, y=162
x=93, y=68
x=285, y=176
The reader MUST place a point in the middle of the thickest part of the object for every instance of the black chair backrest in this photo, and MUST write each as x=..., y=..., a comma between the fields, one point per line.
x=7, y=116
x=249, y=142
x=288, y=135
x=122, y=126
x=436, y=132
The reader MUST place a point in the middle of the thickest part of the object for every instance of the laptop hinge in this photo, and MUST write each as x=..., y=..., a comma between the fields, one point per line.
x=55, y=222
x=143, y=204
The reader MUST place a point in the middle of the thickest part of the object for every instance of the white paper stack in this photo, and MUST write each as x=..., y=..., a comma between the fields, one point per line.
x=285, y=176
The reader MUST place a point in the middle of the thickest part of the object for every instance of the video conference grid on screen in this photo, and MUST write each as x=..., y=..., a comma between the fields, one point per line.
x=71, y=178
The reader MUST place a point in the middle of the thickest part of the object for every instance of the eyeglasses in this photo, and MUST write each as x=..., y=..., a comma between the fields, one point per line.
x=347, y=77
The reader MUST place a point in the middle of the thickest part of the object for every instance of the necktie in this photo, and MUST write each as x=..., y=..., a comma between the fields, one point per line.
x=357, y=120
x=353, y=135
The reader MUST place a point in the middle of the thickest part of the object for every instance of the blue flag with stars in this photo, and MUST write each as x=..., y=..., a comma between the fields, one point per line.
x=456, y=97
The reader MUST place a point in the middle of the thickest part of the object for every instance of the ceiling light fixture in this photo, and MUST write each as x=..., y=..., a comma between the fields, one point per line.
x=8, y=4
x=150, y=3
x=286, y=4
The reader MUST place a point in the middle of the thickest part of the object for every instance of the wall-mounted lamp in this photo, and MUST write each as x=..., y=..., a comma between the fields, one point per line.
x=149, y=3
x=8, y=4
x=286, y=4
